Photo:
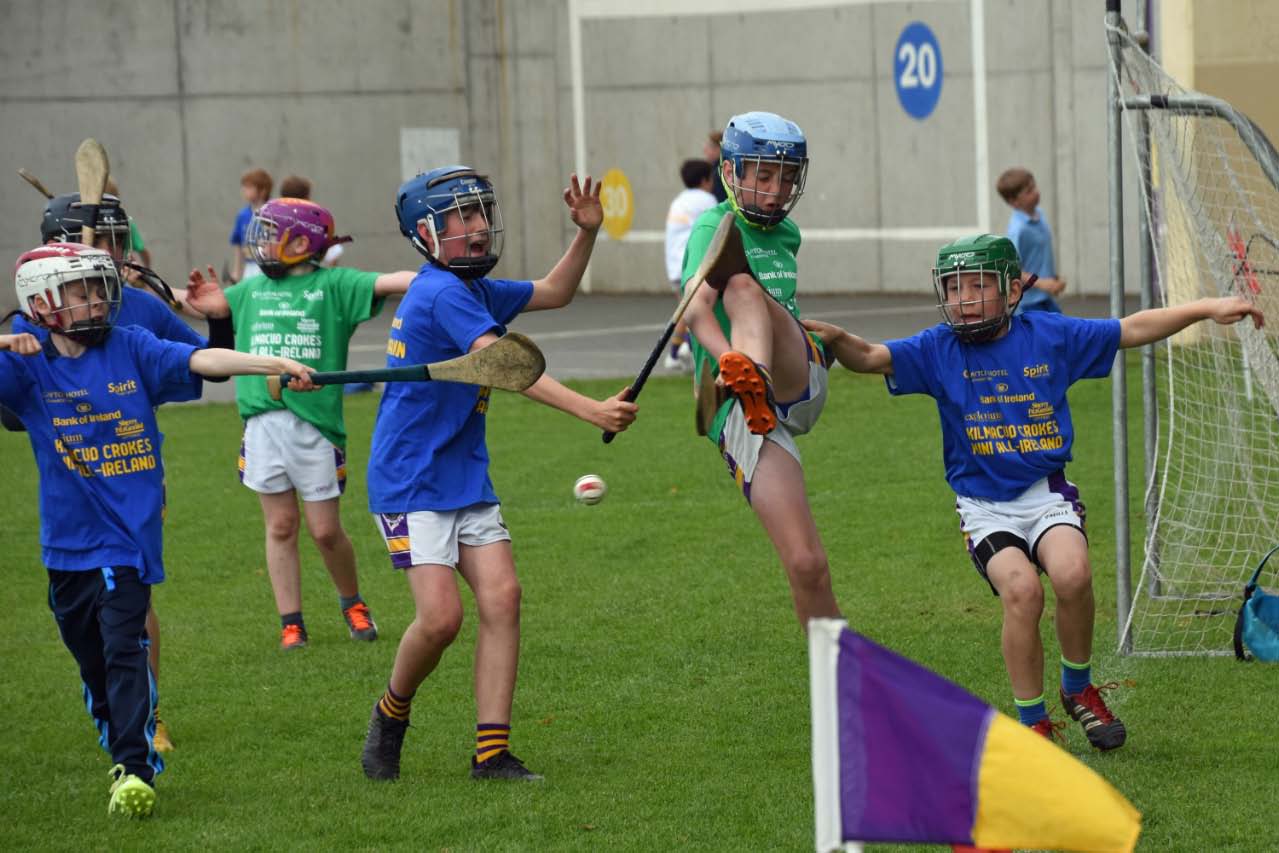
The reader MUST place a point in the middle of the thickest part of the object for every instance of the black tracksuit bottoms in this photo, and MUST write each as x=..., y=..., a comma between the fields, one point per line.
x=102, y=615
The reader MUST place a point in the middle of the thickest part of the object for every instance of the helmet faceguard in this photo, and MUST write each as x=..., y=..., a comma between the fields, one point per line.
x=777, y=151
x=278, y=224
x=988, y=313
x=65, y=216
x=79, y=286
x=429, y=198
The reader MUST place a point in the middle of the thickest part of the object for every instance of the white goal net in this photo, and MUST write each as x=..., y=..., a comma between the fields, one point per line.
x=1213, y=209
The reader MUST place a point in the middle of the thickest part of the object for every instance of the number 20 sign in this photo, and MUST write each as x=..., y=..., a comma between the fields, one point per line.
x=917, y=70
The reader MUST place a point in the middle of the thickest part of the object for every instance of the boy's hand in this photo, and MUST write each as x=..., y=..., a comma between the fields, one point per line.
x=205, y=295
x=130, y=276
x=615, y=414
x=827, y=332
x=300, y=375
x=23, y=343
x=1054, y=287
x=1231, y=309
x=584, y=206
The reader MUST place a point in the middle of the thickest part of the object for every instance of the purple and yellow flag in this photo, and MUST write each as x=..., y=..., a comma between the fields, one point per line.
x=902, y=755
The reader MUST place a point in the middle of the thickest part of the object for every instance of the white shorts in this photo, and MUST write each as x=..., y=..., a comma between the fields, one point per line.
x=432, y=538
x=741, y=448
x=280, y=451
x=1021, y=522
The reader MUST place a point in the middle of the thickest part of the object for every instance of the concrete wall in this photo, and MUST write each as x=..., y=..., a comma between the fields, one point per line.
x=186, y=94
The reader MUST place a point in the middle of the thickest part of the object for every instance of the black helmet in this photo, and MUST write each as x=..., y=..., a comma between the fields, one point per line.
x=64, y=216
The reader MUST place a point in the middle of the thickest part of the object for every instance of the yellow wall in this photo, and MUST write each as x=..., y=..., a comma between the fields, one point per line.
x=1226, y=48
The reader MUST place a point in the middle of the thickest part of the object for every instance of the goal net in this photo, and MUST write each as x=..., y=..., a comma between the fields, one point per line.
x=1212, y=205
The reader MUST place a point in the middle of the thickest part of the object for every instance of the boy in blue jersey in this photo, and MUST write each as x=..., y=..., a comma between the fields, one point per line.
x=429, y=487
x=86, y=394
x=1000, y=384
x=62, y=221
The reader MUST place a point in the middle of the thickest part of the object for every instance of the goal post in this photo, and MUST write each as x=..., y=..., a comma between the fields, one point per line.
x=1209, y=204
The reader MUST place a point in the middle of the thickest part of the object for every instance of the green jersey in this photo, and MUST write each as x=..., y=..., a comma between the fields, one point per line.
x=771, y=255
x=309, y=318
x=135, y=237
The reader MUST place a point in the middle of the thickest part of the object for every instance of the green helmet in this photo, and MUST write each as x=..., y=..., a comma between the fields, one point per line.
x=982, y=253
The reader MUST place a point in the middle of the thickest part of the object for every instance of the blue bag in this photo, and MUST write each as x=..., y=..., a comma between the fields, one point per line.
x=1257, y=625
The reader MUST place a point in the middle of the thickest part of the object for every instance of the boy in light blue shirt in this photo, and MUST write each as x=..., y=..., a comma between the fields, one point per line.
x=1030, y=233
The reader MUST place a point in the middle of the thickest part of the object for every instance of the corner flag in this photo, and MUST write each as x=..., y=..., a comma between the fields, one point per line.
x=902, y=755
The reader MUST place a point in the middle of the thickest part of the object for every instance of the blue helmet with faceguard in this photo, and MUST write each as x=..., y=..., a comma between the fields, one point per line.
x=761, y=139
x=429, y=198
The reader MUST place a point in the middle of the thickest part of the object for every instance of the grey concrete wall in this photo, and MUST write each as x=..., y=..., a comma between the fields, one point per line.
x=873, y=166
x=186, y=94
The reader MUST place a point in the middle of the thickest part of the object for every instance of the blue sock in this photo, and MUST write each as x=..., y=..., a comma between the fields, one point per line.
x=1031, y=711
x=1075, y=676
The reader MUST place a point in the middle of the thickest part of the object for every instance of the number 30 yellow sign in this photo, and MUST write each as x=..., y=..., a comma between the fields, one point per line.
x=618, y=203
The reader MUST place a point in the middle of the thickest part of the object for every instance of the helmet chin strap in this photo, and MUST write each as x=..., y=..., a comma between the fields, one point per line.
x=984, y=332
x=274, y=270
x=469, y=268
x=87, y=332
x=758, y=216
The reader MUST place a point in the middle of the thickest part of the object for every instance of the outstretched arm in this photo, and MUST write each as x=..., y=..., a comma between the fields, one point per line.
x=559, y=286
x=1155, y=324
x=613, y=415
x=226, y=362
x=390, y=283
x=856, y=354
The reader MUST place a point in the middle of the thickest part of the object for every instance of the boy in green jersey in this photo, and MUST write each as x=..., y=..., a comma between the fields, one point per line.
x=747, y=333
x=295, y=447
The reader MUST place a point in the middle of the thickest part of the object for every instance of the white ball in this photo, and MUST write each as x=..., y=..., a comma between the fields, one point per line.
x=590, y=489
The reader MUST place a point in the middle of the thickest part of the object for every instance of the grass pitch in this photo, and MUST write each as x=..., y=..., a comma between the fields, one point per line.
x=663, y=687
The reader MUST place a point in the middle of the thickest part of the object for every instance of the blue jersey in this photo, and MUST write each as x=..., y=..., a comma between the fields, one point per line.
x=137, y=308
x=1005, y=420
x=1034, y=241
x=92, y=427
x=242, y=219
x=428, y=449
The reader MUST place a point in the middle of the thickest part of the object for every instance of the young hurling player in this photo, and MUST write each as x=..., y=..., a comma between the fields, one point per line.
x=295, y=447
x=86, y=394
x=429, y=486
x=64, y=217
x=1000, y=384
x=749, y=334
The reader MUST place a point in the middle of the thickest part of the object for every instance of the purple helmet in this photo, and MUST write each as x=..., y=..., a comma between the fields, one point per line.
x=281, y=221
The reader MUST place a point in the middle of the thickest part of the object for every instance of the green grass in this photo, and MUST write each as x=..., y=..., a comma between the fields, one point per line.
x=663, y=685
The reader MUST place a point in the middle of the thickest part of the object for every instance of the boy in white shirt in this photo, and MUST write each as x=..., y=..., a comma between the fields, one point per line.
x=684, y=210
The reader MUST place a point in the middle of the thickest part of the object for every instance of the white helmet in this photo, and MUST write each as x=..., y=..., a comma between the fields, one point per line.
x=85, y=313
